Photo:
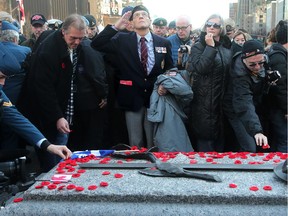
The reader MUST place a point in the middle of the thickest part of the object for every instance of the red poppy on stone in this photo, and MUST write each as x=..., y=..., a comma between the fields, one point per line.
x=191, y=156
x=232, y=185
x=76, y=175
x=237, y=162
x=39, y=186
x=78, y=188
x=253, y=154
x=61, y=187
x=120, y=162
x=81, y=171
x=193, y=162
x=19, y=199
x=118, y=175
x=60, y=171
x=106, y=173
x=52, y=186
x=92, y=187
x=71, y=187
x=57, y=182
x=209, y=160
x=71, y=170
x=129, y=159
x=134, y=148
x=254, y=188
x=267, y=187
x=45, y=183
x=276, y=161
x=63, y=65
x=103, y=184
x=252, y=162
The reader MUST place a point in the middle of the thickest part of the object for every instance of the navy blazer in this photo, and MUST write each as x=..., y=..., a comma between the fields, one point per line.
x=135, y=87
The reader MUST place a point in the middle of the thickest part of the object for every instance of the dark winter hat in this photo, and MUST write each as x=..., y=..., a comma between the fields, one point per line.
x=139, y=8
x=160, y=22
x=126, y=9
x=281, y=32
x=38, y=19
x=91, y=19
x=172, y=24
x=252, y=48
x=8, y=26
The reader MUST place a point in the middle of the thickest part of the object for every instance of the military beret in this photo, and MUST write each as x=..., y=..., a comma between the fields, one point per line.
x=126, y=9
x=91, y=19
x=160, y=22
x=172, y=24
x=139, y=8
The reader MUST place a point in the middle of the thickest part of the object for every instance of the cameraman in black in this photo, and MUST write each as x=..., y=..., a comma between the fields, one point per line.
x=243, y=101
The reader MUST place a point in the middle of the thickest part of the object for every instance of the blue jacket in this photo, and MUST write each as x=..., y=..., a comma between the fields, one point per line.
x=13, y=86
x=18, y=123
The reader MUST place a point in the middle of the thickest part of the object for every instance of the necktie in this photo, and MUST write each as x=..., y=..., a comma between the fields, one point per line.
x=70, y=106
x=144, y=54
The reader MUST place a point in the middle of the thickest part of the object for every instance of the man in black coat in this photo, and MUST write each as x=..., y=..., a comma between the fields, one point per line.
x=135, y=85
x=50, y=84
x=243, y=101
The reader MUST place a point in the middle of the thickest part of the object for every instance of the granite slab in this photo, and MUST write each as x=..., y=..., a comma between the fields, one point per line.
x=128, y=192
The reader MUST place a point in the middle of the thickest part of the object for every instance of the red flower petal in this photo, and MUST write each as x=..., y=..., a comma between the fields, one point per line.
x=193, y=161
x=60, y=171
x=106, y=173
x=103, y=184
x=237, y=162
x=254, y=188
x=266, y=146
x=92, y=187
x=39, y=186
x=52, y=186
x=232, y=185
x=19, y=199
x=209, y=159
x=120, y=162
x=79, y=188
x=81, y=171
x=118, y=175
x=76, y=175
x=70, y=187
x=45, y=183
x=267, y=187
x=61, y=187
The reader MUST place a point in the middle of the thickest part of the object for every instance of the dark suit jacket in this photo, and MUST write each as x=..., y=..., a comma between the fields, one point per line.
x=135, y=87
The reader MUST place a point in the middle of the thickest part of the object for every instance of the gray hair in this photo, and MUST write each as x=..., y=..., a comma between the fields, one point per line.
x=183, y=17
x=222, y=28
x=74, y=20
x=5, y=16
x=9, y=35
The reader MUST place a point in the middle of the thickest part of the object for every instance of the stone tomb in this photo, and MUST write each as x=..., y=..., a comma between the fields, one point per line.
x=126, y=192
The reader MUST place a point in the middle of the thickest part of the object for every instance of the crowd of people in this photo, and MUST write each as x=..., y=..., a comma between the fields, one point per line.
x=141, y=82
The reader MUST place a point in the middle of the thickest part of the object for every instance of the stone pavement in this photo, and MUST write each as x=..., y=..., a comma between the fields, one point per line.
x=126, y=192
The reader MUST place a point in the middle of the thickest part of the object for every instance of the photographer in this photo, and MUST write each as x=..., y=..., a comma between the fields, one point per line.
x=243, y=101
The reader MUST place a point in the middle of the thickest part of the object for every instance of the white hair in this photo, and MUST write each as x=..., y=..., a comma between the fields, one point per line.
x=10, y=35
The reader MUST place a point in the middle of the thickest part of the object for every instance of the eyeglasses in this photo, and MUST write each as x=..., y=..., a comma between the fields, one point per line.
x=138, y=14
x=178, y=28
x=212, y=24
x=253, y=64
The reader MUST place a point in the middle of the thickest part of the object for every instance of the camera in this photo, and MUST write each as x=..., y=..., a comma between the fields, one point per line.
x=183, y=49
x=273, y=77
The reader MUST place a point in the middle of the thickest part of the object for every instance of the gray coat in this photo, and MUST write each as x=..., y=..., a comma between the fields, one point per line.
x=167, y=113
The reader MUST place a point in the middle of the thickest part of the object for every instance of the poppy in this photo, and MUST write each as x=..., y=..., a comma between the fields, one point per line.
x=81, y=171
x=106, y=173
x=118, y=175
x=232, y=185
x=92, y=187
x=103, y=184
x=52, y=186
x=254, y=188
x=19, y=199
x=267, y=187
x=39, y=186
x=76, y=175
x=70, y=187
x=78, y=188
